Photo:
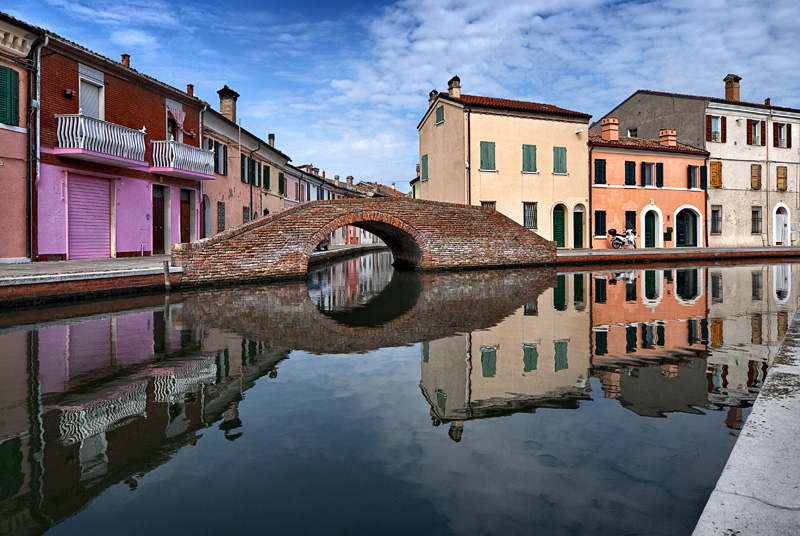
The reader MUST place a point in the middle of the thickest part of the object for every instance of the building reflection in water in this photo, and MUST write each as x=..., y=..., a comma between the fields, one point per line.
x=102, y=394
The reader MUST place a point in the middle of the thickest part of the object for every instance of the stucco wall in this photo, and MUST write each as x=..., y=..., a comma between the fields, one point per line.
x=445, y=146
x=13, y=197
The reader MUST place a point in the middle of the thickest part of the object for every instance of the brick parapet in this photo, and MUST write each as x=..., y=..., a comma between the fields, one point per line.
x=426, y=235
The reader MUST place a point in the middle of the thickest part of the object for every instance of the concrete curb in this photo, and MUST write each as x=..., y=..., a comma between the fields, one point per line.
x=759, y=489
x=82, y=276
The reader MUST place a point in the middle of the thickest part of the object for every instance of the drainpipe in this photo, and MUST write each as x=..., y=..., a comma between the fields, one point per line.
x=31, y=219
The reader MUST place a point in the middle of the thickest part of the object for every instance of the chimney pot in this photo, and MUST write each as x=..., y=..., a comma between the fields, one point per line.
x=190, y=89
x=271, y=139
x=336, y=178
x=766, y=102
x=227, y=103
x=732, y=87
x=609, y=129
x=668, y=137
x=126, y=60
x=454, y=87
x=349, y=181
x=393, y=186
x=432, y=97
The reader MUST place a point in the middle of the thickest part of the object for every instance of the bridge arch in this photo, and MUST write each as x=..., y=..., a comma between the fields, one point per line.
x=405, y=242
x=425, y=235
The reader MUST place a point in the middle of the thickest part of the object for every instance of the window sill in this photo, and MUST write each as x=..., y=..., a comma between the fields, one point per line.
x=488, y=170
x=603, y=237
x=561, y=174
x=716, y=234
x=530, y=172
x=12, y=128
x=439, y=122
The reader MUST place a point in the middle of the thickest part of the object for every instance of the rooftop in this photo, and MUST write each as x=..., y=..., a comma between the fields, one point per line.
x=629, y=142
x=509, y=104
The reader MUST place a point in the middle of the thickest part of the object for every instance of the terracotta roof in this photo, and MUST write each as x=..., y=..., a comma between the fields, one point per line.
x=628, y=142
x=384, y=191
x=508, y=104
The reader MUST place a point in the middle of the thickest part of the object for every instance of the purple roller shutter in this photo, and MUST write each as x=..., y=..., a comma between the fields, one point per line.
x=89, y=214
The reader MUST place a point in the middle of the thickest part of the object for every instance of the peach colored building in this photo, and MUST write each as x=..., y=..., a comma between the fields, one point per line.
x=655, y=187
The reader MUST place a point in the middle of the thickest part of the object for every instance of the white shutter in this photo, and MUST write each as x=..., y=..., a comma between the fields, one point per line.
x=90, y=99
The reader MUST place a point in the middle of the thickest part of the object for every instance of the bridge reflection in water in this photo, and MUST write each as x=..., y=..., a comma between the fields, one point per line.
x=98, y=394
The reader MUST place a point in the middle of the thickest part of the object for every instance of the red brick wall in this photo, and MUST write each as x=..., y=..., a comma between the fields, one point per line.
x=421, y=234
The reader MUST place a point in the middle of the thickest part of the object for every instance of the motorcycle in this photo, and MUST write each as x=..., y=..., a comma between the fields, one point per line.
x=619, y=241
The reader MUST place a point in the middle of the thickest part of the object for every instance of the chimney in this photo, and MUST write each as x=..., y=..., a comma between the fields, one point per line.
x=668, y=137
x=271, y=139
x=393, y=188
x=432, y=97
x=190, y=89
x=323, y=173
x=227, y=103
x=336, y=178
x=732, y=87
x=454, y=87
x=609, y=129
x=766, y=102
x=126, y=60
x=349, y=181
x=315, y=171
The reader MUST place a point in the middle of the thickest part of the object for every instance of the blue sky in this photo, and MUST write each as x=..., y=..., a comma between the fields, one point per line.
x=344, y=84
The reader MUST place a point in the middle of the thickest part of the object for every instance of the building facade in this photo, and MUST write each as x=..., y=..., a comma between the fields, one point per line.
x=121, y=161
x=754, y=166
x=654, y=187
x=527, y=160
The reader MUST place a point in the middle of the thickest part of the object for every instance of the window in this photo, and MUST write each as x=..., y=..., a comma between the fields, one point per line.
x=780, y=183
x=529, y=158
x=561, y=355
x=600, y=342
x=560, y=294
x=220, y=216
x=716, y=127
x=691, y=177
x=630, y=220
x=487, y=156
x=782, y=135
x=716, y=219
x=532, y=308
x=489, y=204
x=488, y=361
x=599, y=290
x=630, y=339
x=756, y=286
x=530, y=356
x=716, y=174
x=424, y=167
x=220, y=156
x=560, y=160
x=281, y=183
x=439, y=114
x=630, y=173
x=756, y=132
x=630, y=291
x=647, y=174
x=600, y=223
x=633, y=132
x=599, y=171
x=755, y=176
x=755, y=227
x=245, y=214
x=9, y=96
x=529, y=215
x=91, y=99
x=755, y=328
x=716, y=287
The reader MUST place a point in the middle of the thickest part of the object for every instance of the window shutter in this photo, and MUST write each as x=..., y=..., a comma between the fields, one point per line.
x=440, y=114
x=763, y=132
x=749, y=132
x=776, y=134
x=755, y=177
x=689, y=177
x=281, y=183
x=659, y=174
x=642, y=175
x=630, y=173
x=559, y=159
x=782, y=173
x=529, y=158
x=424, y=167
x=215, y=147
x=724, y=121
x=259, y=175
x=703, y=177
x=716, y=174
x=266, y=177
x=788, y=135
x=708, y=128
x=224, y=159
x=244, y=168
x=599, y=171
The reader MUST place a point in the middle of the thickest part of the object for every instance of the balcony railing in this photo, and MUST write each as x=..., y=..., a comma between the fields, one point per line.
x=172, y=158
x=87, y=138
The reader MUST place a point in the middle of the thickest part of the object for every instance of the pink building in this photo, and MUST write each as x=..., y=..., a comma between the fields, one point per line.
x=17, y=49
x=655, y=187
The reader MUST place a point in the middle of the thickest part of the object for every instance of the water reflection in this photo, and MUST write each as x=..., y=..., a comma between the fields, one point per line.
x=99, y=395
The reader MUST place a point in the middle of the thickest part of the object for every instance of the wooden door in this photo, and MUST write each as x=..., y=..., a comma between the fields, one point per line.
x=558, y=226
x=186, y=211
x=577, y=230
x=650, y=230
x=158, y=220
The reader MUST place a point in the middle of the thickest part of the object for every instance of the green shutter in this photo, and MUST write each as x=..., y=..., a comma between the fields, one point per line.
x=689, y=177
x=9, y=96
x=214, y=145
x=259, y=175
x=266, y=177
x=424, y=167
x=642, y=175
x=659, y=174
x=703, y=177
x=559, y=159
x=487, y=156
x=600, y=343
x=488, y=361
x=561, y=355
x=244, y=168
x=599, y=171
x=224, y=159
x=440, y=114
x=529, y=158
x=530, y=356
x=281, y=183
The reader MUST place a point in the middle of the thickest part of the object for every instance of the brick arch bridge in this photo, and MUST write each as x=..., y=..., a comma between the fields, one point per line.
x=424, y=235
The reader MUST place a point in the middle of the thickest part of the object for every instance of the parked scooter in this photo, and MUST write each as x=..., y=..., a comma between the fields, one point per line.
x=619, y=241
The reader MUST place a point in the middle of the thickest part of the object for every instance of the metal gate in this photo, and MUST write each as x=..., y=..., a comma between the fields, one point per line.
x=89, y=213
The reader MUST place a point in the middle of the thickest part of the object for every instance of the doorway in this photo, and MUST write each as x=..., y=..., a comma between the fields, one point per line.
x=558, y=226
x=686, y=229
x=158, y=220
x=577, y=227
x=781, y=227
x=650, y=229
x=186, y=212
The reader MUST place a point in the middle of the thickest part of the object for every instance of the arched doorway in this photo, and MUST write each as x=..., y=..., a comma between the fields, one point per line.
x=559, y=226
x=577, y=227
x=781, y=226
x=650, y=229
x=686, y=229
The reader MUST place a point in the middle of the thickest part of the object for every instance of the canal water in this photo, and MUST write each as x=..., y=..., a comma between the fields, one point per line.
x=371, y=401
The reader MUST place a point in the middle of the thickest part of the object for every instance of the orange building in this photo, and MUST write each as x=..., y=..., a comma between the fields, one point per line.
x=655, y=187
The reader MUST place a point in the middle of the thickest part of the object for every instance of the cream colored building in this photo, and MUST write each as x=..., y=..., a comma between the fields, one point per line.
x=527, y=160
